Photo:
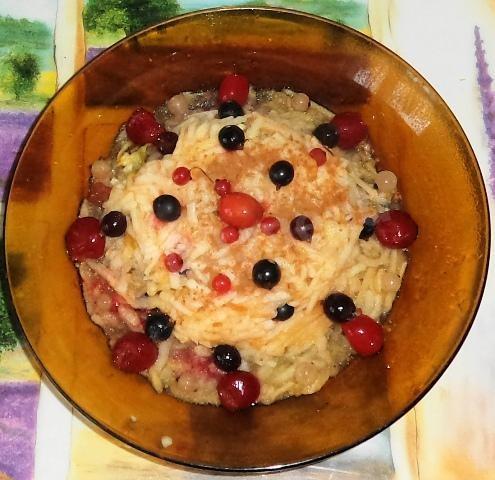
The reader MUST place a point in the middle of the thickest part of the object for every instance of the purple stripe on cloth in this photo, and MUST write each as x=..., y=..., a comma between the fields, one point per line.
x=18, y=405
x=487, y=101
x=13, y=128
x=92, y=52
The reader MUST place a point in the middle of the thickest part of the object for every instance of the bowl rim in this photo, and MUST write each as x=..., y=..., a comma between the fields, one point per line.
x=198, y=466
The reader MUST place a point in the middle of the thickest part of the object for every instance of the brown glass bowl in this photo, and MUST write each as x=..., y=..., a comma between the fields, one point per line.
x=414, y=134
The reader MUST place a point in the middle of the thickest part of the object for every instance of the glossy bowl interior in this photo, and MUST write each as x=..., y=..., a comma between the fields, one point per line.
x=413, y=132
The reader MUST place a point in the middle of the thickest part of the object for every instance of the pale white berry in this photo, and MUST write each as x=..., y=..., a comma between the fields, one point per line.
x=102, y=171
x=178, y=105
x=386, y=181
x=300, y=102
x=390, y=282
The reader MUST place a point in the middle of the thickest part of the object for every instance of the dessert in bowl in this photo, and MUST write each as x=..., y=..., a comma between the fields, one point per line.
x=240, y=290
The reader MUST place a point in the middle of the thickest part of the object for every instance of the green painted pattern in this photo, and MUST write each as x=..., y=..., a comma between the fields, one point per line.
x=26, y=58
x=353, y=13
x=19, y=72
x=30, y=36
x=126, y=16
x=107, y=21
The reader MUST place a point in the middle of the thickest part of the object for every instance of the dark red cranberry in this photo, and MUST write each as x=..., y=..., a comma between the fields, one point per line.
x=84, y=239
x=396, y=229
x=142, y=127
x=134, y=353
x=364, y=334
x=238, y=390
x=350, y=128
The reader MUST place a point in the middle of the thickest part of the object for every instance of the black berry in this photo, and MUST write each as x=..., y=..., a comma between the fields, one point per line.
x=266, y=274
x=226, y=358
x=368, y=229
x=231, y=137
x=339, y=307
x=114, y=224
x=302, y=228
x=159, y=327
x=284, y=312
x=167, y=208
x=230, y=109
x=327, y=134
x=166, y=142
x=281, y=173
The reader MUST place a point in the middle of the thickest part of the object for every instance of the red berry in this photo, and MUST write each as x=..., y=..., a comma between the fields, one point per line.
x=319, y=155
x=134, y=352
x=222, y=187
x=84, y=239
x=234, y=87
x=229, y=234
x=181, y=175
x=173, y=262
x=238, y=390
x=395, y=229
x=221, y=283
x=269, y=225
x=364, y=334
x=240, y=210
x=98, y=193
x=142, y=127
x=350, y=128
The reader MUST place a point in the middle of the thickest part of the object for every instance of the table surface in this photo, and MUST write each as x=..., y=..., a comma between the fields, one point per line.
x=451, y=432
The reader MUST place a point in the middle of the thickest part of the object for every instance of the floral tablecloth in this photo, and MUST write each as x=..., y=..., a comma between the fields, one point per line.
x=451, y=432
